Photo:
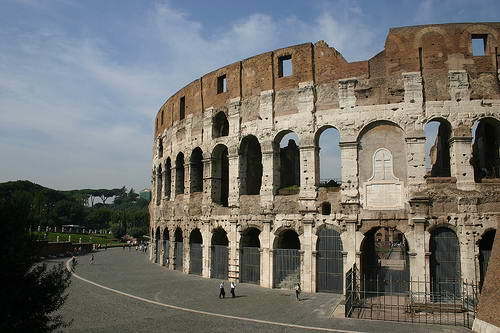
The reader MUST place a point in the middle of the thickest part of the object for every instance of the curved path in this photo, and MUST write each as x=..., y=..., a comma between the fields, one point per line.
x=123, y=292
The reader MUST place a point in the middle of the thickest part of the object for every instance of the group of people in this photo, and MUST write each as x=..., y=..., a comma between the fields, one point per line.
x=222, y=292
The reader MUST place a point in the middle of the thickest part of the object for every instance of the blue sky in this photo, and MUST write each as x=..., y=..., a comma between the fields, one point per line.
x=81, y=81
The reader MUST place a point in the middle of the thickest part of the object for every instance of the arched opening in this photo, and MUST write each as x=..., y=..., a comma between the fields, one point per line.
x=328, y=159
x=485, y=149
x=326, y=208
x=178, y=250
x=168, y=178
x=160, y=147
x=219, y=265
x=157, y=245
x=165, y=246
x=445, y=263
x=485, y=247
x=179, y=174
x=286, y=260
x=437, y=148
x=250, y=256
x=287, y=162
x=220, y=175
x=195, y=252
x=196, y=170
x=220, y=125
x=385, y=265
x=159, y=183
x=329, y=261
x=250, y=166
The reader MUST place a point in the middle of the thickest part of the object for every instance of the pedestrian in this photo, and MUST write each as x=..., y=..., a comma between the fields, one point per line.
x=91, y=259
x=222, y=292
x=232, y=289
x=73, y=263
x=297, y=291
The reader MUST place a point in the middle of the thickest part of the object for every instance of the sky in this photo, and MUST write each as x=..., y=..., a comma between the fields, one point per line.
x=81, y=81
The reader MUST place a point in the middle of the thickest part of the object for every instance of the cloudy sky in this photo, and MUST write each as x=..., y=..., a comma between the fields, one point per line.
x=81, y=81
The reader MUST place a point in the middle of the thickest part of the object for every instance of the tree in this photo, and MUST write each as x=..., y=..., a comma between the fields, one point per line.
x=31, y=291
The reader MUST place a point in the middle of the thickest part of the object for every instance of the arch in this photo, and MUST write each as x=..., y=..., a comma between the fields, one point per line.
x=385, y=265
x=250, y=160
x=165, y=246
x=179, y=174
x=286, y=260
x=159, y=183
x=485, y=247
x=178, y=249
x=286, y=148
x=437, y=147
x=328, y=167
x=220, y=175
x=196, y=170
x=168, y=178
x=444, y=261
x=157, y=245
x=195, y=252
x=250, y=256
x=485, y=149
x=326, y=208
x=329, y=261
x=219, y=264
x=220, y=125
x=160, y=147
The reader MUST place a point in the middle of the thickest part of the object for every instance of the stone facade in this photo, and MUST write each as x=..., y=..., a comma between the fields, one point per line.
x=380, y=108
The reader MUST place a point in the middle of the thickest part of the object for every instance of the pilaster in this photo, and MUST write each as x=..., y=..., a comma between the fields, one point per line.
x=349, y=158
x=460, y=155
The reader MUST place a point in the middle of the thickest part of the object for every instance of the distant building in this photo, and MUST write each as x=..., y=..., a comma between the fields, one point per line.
x=145, y=194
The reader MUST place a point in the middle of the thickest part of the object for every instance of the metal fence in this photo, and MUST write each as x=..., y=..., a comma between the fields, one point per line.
x=423, y=302
x=250, y=265
x=157, y=251
x=195, y=258
x=165, y=246
x=286, y=268
x=178, y=255
x=220, y=262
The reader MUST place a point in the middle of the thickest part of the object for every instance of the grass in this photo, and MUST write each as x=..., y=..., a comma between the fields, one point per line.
x=75, y=238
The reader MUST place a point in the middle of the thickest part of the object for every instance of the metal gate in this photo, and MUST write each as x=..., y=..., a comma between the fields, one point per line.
x=165, y=248
x=286, y=268
x=195, y=258
x=329, y=262
x=250, y=265
x=179, y=254
x=157, y=251
x=445, y=263
x=220, y=262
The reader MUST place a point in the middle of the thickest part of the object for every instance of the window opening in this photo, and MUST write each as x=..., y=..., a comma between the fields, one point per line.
x=437, y=149
x=326, y=208
x=479, y=45
x=221, y=84
x=162, y=117
x=285, y=66
x=328, y=158
x=289, y=164
x=182, y=107
x=250, y=166
x=196, y=171
x=485, y=149
x=179, y=174
x=220, y=125
x=160, y=147
x=220, y=175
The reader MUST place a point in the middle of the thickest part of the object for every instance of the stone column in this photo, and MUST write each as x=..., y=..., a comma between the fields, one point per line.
x=266, y=108
x=460, y=155
x=234, y=117
x=171, y=249
x=266, y=256
x=233, y=270
x=187, y=176
x=266, y=190
x=207, y=124
x=416, y=161
x=207, y=186
x=207, y=243
x=234, y=179
x=306, y=246
x=172, y=181
x=349, y=160
x=185, y=256
x=307, y=194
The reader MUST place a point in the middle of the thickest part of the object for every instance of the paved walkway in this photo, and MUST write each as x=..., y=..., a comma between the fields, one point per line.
x=123, y=292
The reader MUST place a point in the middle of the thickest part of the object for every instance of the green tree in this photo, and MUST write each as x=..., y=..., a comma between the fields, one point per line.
x=32, y=293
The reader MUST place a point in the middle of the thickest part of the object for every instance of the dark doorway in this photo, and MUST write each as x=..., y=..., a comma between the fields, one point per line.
x=195, y=252
x=178, y=250
x=289, y=166
x=286, y=260
x=485, y=247
x=220, y=175
x=437, y=158
x=250, y=256
x=485, y=150
x=220, y=125
x=196, y=171
x=445, y=263
x=250, y=166
x=165, y=246
x=384, y=261
x=168, y=178
x=329, y=262
x=157, y=246
x=159, y=184
x=219, y=265
x=179, y=174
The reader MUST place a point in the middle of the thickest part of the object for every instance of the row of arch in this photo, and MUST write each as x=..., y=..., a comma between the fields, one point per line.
x=380, y=249
x=286, y=148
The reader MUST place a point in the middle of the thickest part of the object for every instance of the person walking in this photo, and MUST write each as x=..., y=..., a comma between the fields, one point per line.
x=297, y=291
x=91, y=259
x=232, y=289
x=222, y=292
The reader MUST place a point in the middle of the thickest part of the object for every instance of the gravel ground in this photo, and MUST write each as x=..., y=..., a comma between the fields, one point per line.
x=93, y=309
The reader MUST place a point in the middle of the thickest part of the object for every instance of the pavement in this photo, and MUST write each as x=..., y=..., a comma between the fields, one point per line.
x=123, y=292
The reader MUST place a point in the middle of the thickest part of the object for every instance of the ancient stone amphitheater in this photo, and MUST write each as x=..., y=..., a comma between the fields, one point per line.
x=242, y=190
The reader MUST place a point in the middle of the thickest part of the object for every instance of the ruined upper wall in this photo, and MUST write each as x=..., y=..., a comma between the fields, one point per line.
x=433, y=50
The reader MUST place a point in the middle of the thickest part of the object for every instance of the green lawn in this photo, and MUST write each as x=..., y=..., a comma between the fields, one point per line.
x=75, y=238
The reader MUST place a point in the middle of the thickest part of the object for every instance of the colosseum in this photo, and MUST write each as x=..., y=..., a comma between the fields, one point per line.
x=296, y=165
